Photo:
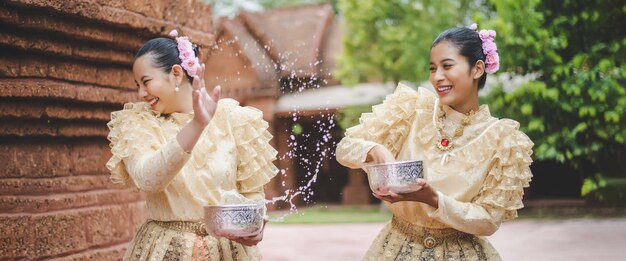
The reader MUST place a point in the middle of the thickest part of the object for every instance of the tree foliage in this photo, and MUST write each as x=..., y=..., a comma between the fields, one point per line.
x=575, y=112
x=390, y=40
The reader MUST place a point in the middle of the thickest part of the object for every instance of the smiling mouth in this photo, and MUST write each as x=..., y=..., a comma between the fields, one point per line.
x=444, y=89
x=153, y=101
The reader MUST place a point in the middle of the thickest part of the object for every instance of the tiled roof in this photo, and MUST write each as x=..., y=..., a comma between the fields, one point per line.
x=240, y=64
x=293, y=36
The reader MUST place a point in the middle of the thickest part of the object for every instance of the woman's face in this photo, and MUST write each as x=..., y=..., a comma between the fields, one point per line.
x=155, y=86
x=453, y=79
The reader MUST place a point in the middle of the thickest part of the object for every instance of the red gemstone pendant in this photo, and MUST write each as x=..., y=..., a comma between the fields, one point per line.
x=445, y=142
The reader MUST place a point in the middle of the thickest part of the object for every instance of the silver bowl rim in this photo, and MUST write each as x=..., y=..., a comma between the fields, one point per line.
x=252, y=205
x=391, y=163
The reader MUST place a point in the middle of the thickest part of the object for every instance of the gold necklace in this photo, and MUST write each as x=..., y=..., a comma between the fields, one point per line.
x=445, y=143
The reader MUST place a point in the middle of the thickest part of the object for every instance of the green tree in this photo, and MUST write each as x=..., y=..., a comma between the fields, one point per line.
x=575, y=112
x=390, y=39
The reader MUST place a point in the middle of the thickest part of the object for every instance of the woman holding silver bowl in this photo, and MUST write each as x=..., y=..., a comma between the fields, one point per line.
x=475, y=166
x=187, y=149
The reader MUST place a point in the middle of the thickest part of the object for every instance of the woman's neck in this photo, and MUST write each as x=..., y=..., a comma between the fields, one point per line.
x=466, y=107
x=186, y=98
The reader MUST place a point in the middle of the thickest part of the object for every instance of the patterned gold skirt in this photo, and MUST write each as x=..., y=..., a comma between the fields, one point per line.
x=400, y=240
x=180, y=240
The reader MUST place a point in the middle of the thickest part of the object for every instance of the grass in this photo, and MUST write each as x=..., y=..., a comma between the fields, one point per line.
x=332, y=215
x=339, y=214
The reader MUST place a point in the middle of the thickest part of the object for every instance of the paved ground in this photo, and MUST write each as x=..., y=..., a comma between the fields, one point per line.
x=573, y=239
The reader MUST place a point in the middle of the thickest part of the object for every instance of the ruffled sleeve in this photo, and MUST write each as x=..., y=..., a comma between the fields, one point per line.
x=388, y=125
x=140, y=156
x=503, y=188
x=254, y=152
x=510, y=173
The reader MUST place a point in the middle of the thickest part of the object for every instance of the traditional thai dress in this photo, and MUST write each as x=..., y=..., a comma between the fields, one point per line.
x=232, y=154
x=479, y=182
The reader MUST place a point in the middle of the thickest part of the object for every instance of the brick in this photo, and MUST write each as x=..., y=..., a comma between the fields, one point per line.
x=110, y=224
x=17, y=238
x=46, y=88
x=115, y=252
x=58, y=233
x=52, y=128
x=68, y=232
x=53, y=159
x=78, y=113
x=36, y=88
x=55, y=202
x=154, y=9
x=90, y=159
x=50, y=45
x=192, y=17
x=67, y=27
x=30, y=110
x=39, y=186
x=11, y=109
x=115, y=77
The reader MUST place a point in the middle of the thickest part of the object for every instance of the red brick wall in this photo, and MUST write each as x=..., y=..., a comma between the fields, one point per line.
x=64, y=66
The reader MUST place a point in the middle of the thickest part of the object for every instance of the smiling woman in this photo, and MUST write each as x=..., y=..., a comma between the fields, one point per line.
x=475, y=165
x=187, y=149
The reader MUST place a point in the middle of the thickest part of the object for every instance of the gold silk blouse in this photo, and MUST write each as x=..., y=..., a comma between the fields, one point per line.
x=232, y=154
x=479, y=183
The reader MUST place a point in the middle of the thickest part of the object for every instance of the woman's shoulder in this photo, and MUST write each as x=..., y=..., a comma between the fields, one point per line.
x=510, y=128
x=133, y=108
x=513, y=145
x=406, y=99
x=133, y=118
x=230, y=110
x=134, y=114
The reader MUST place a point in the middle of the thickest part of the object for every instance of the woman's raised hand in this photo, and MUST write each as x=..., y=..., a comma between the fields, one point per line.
x=204, y=105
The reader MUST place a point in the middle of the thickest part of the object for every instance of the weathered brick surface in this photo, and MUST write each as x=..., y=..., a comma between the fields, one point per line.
x=61, y=25
x=64, y=66
x=38, y=186
x=31, y=66
x=47, y=203
x=23, y=128
x=73, y=113
x=110, y=253
x=58, y=90
x=53, y=159
x=192, y=17
x=53, y=46
x=67, y=232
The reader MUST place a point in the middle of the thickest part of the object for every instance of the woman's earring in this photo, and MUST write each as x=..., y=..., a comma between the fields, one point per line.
x=176, y=89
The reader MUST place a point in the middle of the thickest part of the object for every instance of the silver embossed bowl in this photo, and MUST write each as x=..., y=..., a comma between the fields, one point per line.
x=234, y=220
x=396, y=177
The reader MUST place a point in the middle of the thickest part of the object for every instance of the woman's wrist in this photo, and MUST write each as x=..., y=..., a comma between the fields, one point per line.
x=200, y=124
x=434, y=200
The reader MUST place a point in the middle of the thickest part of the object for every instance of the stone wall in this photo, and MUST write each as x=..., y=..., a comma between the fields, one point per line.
x=64, y=66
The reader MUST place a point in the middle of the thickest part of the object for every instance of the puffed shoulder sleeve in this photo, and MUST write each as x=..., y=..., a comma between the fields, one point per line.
x=254, y=152
x=140, y=156
x=388, y=125
x=510, y=173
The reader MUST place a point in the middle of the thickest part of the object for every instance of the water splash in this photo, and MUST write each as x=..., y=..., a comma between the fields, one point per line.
x=317, y=139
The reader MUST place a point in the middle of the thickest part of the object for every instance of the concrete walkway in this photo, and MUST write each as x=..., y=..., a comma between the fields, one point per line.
x=572, y=239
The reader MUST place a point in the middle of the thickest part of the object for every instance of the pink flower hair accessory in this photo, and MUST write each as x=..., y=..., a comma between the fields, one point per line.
x=490, y=49
x=190, y=62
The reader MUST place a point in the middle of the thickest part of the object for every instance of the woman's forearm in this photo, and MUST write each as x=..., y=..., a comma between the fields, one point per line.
x=189, y=135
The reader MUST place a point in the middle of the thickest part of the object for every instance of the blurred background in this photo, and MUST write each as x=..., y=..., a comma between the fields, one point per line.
x=313, y=67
